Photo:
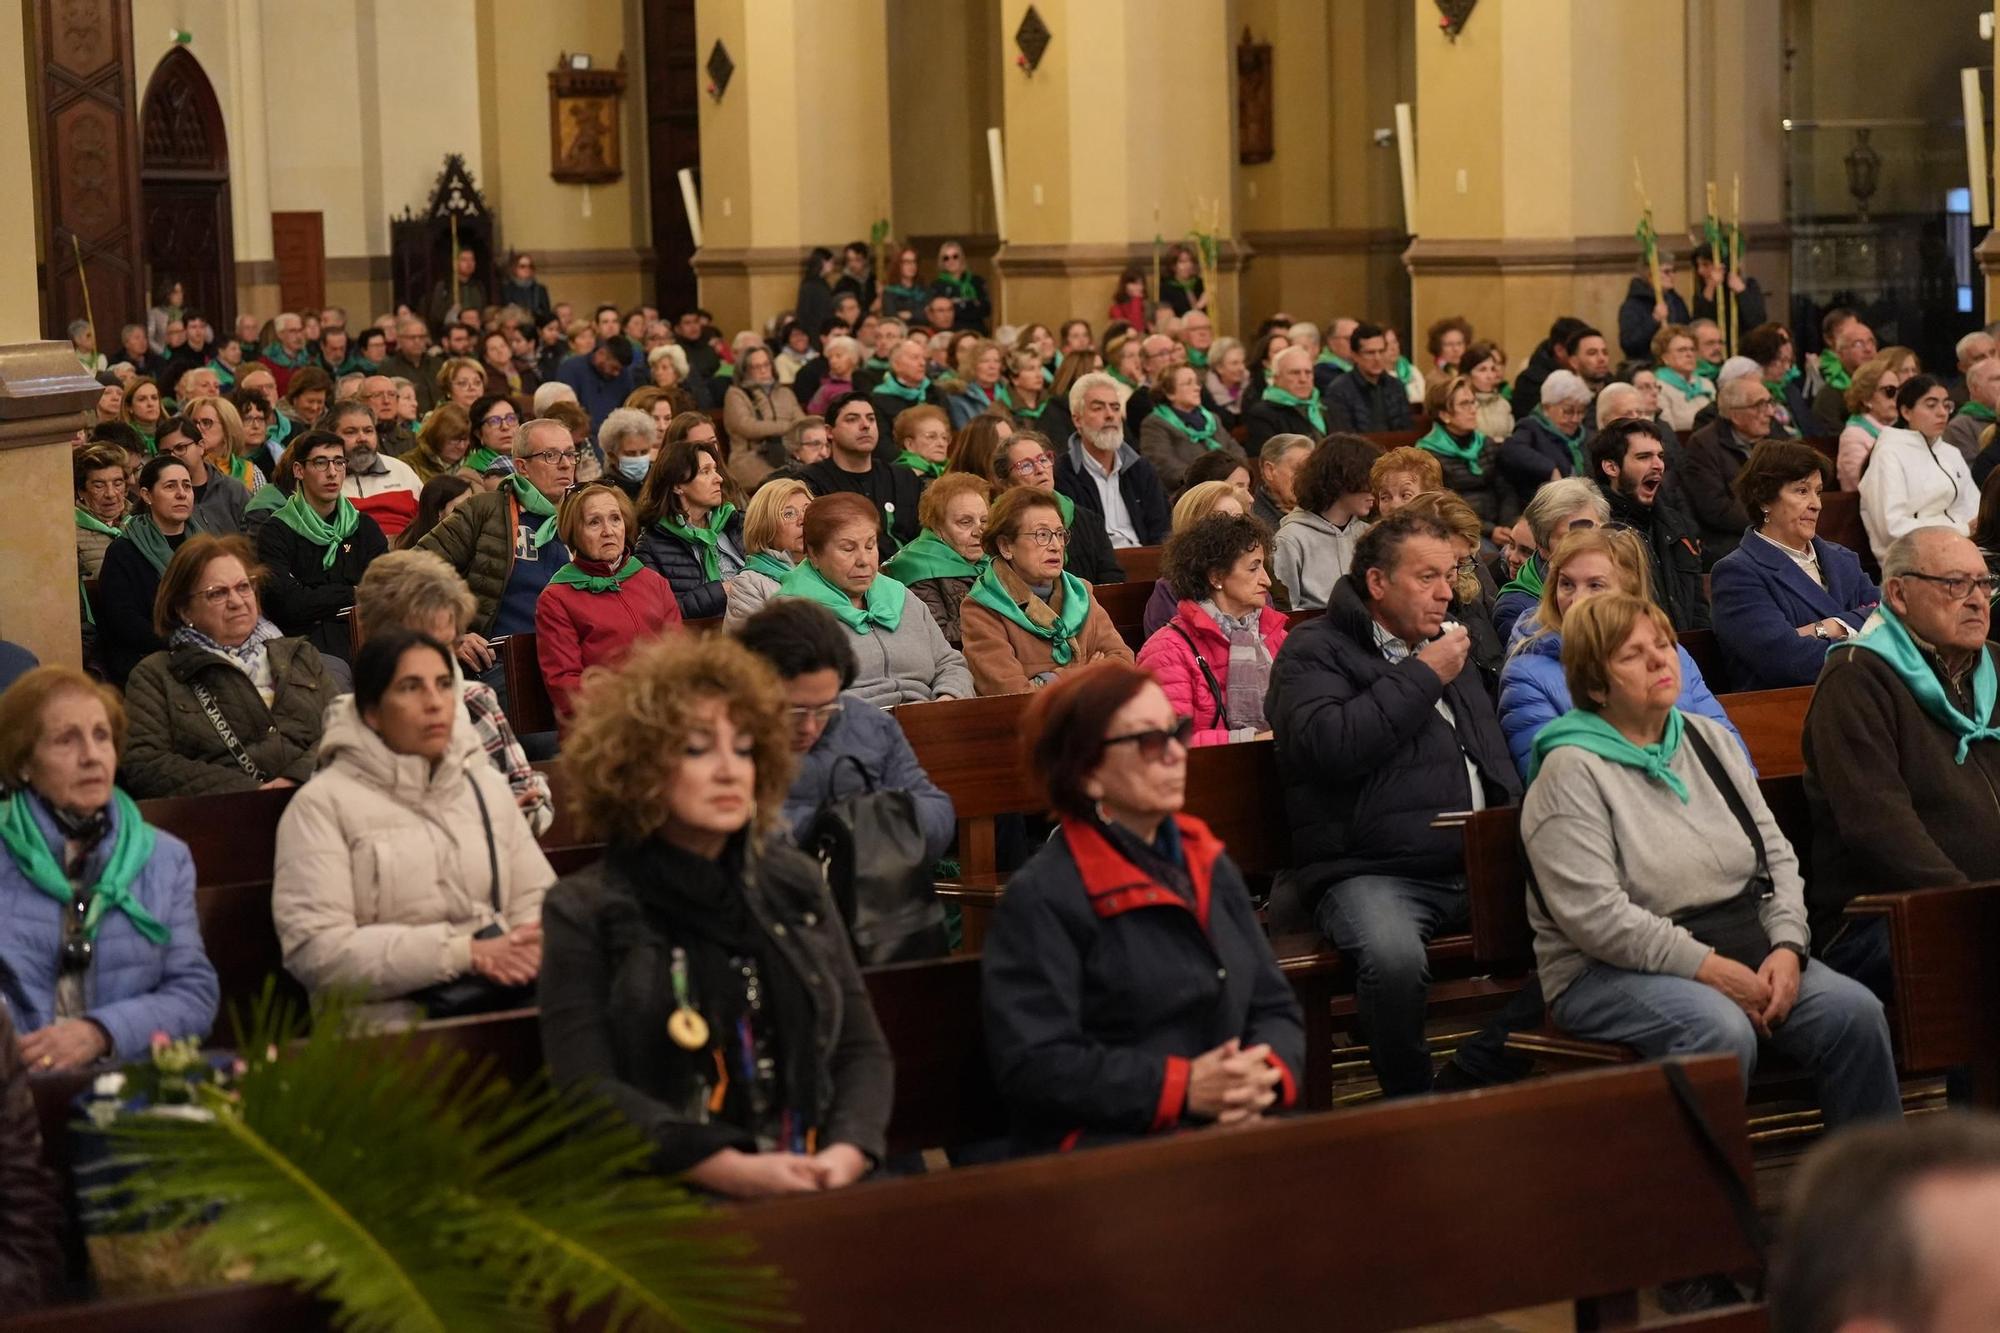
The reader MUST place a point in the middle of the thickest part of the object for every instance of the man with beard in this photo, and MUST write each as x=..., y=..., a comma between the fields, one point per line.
x=1589, y=357
x=392, y=435
x=1630, y=463
x=384, y=488
x=1101, y=472
x=855, y=465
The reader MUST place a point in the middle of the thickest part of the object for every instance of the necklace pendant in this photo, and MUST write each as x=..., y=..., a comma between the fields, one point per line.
x=688, y=1029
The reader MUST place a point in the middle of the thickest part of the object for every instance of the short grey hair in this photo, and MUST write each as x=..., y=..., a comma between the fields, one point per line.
x=1900, y=560
x=533, y=424
x=1565, y=386
x=77, y=328
x=1278, y=446
x=670, y=352
x=1303, y=331
x=1293, y=350
x=1696, y=324
x=1966, y=344
x=555, y=391
x=1735, y=393
x=1560, y=499
x=1078, y=391
x=624, y=421
x=1609, y=398
x=852, y=346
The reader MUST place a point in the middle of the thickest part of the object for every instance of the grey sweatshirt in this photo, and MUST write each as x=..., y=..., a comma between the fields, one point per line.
x=1309, y=555
x=1616, y=854
x=911, y=665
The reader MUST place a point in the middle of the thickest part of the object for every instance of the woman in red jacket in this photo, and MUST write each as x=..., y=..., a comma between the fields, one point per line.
x=603, y=601
x=1214, y=657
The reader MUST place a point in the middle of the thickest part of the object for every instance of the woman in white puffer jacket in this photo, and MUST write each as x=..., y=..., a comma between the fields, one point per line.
x=1915, y=479
x=387, y=857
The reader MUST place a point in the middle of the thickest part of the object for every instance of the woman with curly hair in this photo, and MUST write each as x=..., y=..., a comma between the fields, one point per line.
x=699, y=977
x=1213, y=656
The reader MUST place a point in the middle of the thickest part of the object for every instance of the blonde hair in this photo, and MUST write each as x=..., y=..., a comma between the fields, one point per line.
x=632, y=723
x=407, y=587
x=1197, y=502
x=761, y=518
x=451, y=367
x=225, y=413
x=1620, y=546
x=1420, y=463
x=569, y=516
x=1598, y=628
x=1464, y=523
x=21, y=706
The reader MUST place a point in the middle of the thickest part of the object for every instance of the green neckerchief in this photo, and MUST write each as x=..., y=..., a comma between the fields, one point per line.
x=149, y=438
x=1707, y=369
x=1310, y=406
x=240, y=469
x=535, y=503
x=929, y=557
x=1696, y=388
x=1978, y=411
x=770, y=564
x=145, y=534
x=223, y=375
x=1574, y=442
x=1025, y=413
x=895, y=388
x=991, y=593
x=960, y=284
x=1404, y=370
x=303, y=519
x=1439, y=441
x=1066, y=507
x=1205, y=437
x=266, y=500
x=280, y=429
x=884, y=600
x=1197, y=358
x=1529, y=580
x=478, y=459
x=90, y=522
x=1777, y=387
x=920, y=465
x=1329, y=359
x=703, y=538
x=1866, y=423
x=880, y=363
x=1832, y=371
x=278, y=356
x=1588, y=731
x=1886, y=634
x=575, y=577
x=39, y=862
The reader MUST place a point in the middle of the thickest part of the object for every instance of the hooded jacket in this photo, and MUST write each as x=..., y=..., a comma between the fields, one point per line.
x=1910, y=484
x=1171, y=659
x=1309, y=555
x=383, y=869
x=174, y=750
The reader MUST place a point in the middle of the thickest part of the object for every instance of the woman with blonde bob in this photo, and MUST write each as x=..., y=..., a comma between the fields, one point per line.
x=774, y=538
x=699, y=977
x=604, y=600
x=940, y=565
x=1534, y=690
x=1668, y=910
x=1197, y=502
x=222, y=445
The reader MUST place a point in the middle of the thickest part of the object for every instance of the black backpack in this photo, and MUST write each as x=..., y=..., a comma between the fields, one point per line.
x=871, y=849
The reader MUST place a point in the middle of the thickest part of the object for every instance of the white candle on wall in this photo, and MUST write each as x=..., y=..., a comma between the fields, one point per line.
x=998, y=165
x=692, y=204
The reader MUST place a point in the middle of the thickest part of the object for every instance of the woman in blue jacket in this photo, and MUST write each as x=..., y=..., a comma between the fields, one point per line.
x=99, y=945
x=1533, y=691
x=1785, y=595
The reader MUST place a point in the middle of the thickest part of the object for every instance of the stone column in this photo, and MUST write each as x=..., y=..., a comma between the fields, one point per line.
x=1124, y=131
x=43, y=396
x=796, y=151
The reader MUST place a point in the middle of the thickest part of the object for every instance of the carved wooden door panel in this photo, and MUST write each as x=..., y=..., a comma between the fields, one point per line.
x=184, y=185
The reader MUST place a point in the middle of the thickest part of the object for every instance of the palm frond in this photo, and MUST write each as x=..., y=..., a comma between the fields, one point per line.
x=421, y=1194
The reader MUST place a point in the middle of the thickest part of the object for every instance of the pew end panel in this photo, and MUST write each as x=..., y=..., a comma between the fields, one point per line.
x=1947, y=978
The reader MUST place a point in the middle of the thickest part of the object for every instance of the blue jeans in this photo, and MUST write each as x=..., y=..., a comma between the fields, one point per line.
x=1382, y=923
x=1836, y=1030
x=1860, y=949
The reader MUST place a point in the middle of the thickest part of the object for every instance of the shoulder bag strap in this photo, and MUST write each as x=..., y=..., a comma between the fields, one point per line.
x=222, y=729
x=1748, y=1220
x=1207, y=672
x=1731, y=796
x=492, y=849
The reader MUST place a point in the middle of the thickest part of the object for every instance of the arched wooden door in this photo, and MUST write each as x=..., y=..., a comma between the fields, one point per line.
x=184, y=189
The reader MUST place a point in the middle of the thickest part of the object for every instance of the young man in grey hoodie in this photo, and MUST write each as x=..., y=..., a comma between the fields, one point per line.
x=1315, y=542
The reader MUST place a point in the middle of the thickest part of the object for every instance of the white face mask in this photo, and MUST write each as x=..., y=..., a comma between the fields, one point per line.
x=635, y=468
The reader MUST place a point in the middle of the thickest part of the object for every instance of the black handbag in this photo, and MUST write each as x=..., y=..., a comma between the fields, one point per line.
x=871, y=849
x=1733, y=927
x=472, y=993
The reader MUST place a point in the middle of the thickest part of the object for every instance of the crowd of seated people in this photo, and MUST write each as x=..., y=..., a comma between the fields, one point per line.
x=886, y=502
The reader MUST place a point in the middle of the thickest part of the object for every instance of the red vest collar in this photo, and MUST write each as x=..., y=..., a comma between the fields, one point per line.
x=1116, y=886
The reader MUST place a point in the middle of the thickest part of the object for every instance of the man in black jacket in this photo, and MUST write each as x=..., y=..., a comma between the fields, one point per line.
x=1630, y=463
x=1715, y=454
x=856, y=465
x=1710, y=274
x=1640, y=316
x=1290, y=404
x=1380, y=729
x=1368, y=399
x=1101, y=472
x=304, y=591
x=1549, y=356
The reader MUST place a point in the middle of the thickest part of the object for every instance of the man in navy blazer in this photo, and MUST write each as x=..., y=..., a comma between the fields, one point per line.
x=1785, y=594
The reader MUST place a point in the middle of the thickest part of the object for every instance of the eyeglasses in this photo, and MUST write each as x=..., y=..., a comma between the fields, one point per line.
x=791, y=513
x=507, y=420
x=1957, y=586
x=593, y=484
x=326, y=463
x=1761, y=405
x=823, y=714
x=222, y=592
x=1039, y=463
x=1153, y=743
x=1887, y=390
x=554, y=457
x=1046, y=537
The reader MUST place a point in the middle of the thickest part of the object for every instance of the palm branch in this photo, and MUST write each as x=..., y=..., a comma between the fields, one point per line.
x=420, y=1194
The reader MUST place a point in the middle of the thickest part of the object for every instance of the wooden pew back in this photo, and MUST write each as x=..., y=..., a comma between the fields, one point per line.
x=1125, y=603
x=529, y=707
x=1084, y=1237
x=1773, y=726
x=1840, y=521
x=971, y=748
x=1140, y=563
x=1707, y=655
x=233, y=837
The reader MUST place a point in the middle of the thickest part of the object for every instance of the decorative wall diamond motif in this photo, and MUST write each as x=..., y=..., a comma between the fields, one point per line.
x=1032, y=39
x=720, y=67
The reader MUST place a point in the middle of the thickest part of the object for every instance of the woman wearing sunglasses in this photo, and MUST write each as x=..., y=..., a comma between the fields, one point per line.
x=1916, y=479
x=1871, y=405
x=99, y=944
x=1026, y=619
x=1127, y=986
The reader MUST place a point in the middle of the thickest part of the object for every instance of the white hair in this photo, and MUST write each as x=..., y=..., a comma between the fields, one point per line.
x=1278, y=361
x=621, y=422
x=1078, y=391
x=1968, y=342
x=1565, y=386
x=852, y=346
x=1735, y=368
x=1615, y=392
x=668, y=352
x=1303, y=332
x=551, y=393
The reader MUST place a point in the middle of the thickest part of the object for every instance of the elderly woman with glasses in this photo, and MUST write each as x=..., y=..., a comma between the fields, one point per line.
x=1547, y=444
x=231, y=704
x=99, y=940
x=1027, y=620
x=1684, y=390
x=940, y=565
x=604, y=600
x=1127, y=986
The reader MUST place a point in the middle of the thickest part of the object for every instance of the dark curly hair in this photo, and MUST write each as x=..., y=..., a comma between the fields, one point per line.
x=1338, y=466
x=1196, y=556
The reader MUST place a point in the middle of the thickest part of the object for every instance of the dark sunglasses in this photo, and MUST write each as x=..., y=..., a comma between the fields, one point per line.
x=1153, y=743
x=592, y=484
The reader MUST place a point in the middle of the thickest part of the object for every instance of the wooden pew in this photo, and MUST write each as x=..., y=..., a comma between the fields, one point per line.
x=1707, y=654
x=1773, y=724
x=971, y=748
x=233, y=837
x=1840, y=521
x=1643, y=1206
x=1414, y=1242
x=1829, y=448
x=1140, y=563
x=1125, y=603
x=529, y=707
x=1946, y=1010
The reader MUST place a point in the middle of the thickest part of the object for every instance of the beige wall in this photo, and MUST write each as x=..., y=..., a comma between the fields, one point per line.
x=20, y=318
x=945, y=67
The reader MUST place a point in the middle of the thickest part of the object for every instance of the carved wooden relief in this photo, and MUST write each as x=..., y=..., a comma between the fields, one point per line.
x=184, y=187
